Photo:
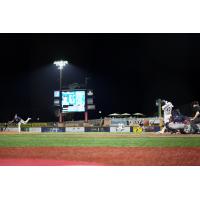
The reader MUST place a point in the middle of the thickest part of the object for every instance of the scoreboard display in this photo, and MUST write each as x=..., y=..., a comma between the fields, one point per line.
x=73, y=101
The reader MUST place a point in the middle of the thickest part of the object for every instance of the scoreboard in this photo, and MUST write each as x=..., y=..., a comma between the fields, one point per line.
x=73, y=101
x=80, y=100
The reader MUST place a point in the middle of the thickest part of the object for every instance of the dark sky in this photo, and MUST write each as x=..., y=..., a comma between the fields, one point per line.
x=128, y=71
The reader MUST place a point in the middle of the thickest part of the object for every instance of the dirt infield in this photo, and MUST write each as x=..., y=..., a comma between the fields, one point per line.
x=108, y=156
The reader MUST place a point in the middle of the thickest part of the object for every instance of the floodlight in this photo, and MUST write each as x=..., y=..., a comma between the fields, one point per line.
x=60, y=64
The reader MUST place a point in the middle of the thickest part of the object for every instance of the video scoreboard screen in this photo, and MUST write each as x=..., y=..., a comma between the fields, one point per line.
x=73, y=101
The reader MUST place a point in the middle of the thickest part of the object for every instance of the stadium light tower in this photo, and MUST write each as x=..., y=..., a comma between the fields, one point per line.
x=60, y=64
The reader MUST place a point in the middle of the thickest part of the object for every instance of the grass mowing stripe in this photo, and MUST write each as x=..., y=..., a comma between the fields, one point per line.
x=61, y=140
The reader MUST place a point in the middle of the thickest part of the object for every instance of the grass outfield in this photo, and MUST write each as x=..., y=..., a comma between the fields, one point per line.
x=97, y=140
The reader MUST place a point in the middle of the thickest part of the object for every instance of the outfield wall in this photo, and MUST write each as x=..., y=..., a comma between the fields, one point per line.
x=74, y=129
x=115, y=129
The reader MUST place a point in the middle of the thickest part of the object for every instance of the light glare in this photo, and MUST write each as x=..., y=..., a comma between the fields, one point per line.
x=60, y=64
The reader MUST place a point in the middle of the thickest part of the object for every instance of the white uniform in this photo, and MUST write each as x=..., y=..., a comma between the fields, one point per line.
x=22, y=122
x=167, y=108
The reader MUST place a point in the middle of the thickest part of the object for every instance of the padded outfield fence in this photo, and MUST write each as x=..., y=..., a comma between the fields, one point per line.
x=92, y=126
x=132, y=129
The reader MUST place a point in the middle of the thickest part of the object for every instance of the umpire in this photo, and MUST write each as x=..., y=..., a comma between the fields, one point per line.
x=196, y=119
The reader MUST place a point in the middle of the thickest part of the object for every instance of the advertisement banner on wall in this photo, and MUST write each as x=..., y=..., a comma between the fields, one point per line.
x=152, y=129
x=13, y=129
x=74, y=129
x=104, y=129
x=52, y=129
x=123, y=130
x=136, y=129
x=97, y=129
x=35, y=129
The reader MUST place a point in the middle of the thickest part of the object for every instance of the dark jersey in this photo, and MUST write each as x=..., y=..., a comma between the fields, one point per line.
x=196, y=109
x=17, y=119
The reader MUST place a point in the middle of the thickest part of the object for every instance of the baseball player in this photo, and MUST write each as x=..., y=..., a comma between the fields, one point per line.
x=196, y=119
x=167, y=108
x=18, y=120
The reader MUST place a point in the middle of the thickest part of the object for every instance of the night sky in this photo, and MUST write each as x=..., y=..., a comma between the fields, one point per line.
x=128, y=72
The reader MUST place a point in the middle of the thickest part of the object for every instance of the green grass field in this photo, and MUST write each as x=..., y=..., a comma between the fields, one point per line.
x=96, y=140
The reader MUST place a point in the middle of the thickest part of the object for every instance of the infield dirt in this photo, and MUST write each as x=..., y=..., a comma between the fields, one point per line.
x=108, y=156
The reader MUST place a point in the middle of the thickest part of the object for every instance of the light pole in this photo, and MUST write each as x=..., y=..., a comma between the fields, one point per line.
x=60, y=64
